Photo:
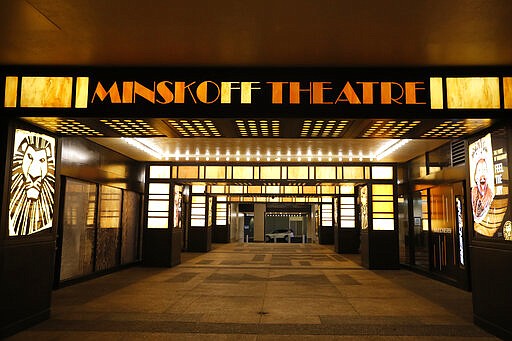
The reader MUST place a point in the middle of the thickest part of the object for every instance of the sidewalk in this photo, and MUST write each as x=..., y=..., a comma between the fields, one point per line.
x=260, y=292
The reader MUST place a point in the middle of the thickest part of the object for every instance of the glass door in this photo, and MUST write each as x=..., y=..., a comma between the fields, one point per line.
x=420, y=229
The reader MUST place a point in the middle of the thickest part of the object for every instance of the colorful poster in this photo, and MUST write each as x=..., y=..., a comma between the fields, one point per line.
x=482, y=177
x=364, y=207
x=177, y=205
x=489, y=185
x=32, y=183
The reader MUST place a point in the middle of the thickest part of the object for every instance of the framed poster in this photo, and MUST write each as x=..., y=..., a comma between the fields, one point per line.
x=488, y=172
x=363, y=194
x=32, y=198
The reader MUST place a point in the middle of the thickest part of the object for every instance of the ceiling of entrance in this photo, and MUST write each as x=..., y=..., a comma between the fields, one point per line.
x=256, y=33
x=275, y=140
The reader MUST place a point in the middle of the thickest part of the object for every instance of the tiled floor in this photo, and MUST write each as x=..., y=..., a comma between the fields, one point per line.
x=260, y=292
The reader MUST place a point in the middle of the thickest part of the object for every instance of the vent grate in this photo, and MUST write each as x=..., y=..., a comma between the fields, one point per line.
x=458, y=151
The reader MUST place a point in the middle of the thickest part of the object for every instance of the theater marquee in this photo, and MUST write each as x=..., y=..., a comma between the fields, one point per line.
x=181, y=91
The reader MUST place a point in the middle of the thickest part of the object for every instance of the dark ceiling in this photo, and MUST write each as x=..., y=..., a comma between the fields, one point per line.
x=256, y=33
x=263, y=33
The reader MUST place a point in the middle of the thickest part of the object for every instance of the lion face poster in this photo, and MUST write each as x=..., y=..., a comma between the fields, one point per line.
x=32, y=183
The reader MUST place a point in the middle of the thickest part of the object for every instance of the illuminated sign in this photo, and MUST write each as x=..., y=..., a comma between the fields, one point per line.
x=482, y=177
x=460, y=228
x=32, y=183
x=262, y=87
x=489, y=185
x=363, y=194
x=209, y=92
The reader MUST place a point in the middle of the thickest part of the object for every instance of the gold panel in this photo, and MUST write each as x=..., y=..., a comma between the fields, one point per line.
x=11, y=92
x=339, y=173
x=198, y=199
x=308, y=189
x=298, y=173
x=159, y=172
x=383, y=198
x=236, y=189
x=270, y=172
x=382, y=189
x=328, y=189
x=383, y=206
x=242, y=172
x=436, y=93
x=383, y=216
x=82, y=92
x=46, y=92
x=473, y=93
x=507, y=92
x=291, y=189
x=215, y=172
x=217, y=190
x=367, y=173
x=323, y=173
x=272, y=189
x=353, y=172
x=254, y=189
x=188, y=172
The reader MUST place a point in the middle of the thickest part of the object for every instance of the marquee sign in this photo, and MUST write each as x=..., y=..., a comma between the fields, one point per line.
x=253, y=91
x=274, y=92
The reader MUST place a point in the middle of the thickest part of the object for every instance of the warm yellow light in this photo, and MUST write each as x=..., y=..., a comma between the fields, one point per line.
x=507, y=92
x=46, y=92
x=473, y=93
x=11, y=92
x=82, y=92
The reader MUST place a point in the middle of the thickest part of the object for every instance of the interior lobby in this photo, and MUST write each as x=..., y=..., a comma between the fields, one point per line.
x=225, y=170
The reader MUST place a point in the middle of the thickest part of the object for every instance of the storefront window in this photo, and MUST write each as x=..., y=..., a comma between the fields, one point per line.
x=78, y=229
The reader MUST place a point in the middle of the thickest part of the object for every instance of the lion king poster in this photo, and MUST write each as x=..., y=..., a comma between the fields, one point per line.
x=32, y=183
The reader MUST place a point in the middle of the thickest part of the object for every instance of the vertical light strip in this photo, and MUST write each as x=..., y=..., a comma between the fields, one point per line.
x=436, y=93
x=507, y=92
x=11, y=92
x=82, y=92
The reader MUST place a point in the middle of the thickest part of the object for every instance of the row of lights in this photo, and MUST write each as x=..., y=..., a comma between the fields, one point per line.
x=309, y=156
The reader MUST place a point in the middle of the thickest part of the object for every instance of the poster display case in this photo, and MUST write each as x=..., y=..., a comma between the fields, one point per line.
x=489, y=182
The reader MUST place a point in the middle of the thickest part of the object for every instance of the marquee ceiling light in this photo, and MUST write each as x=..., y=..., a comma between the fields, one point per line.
x=157, y=153
x=391, y=147
x=154, y=150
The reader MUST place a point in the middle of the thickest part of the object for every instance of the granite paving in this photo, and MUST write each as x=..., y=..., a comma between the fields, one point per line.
x=258, y=291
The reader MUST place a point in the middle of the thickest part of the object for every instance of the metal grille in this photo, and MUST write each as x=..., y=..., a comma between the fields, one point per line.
x=458, y=151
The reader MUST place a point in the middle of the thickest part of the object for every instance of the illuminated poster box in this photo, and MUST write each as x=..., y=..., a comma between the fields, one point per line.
x=489, y=186
x=32, y=183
